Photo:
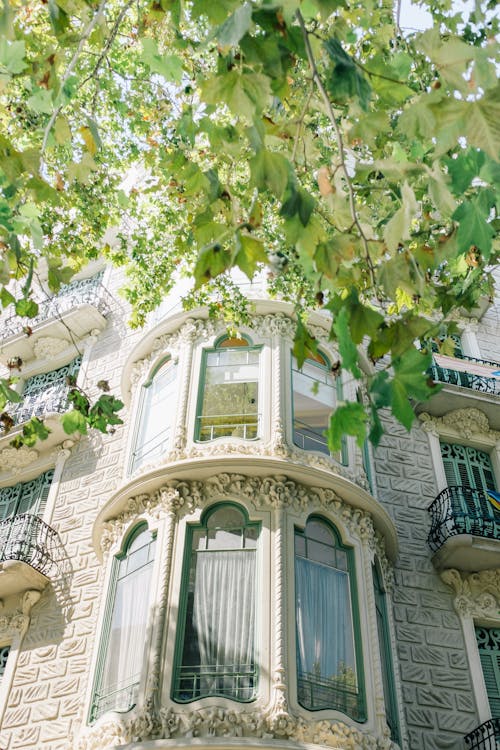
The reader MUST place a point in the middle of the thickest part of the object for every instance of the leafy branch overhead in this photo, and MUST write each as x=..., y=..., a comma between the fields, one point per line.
x=358, y=159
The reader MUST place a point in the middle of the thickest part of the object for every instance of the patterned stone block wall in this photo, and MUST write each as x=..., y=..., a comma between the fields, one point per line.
x=437, y=689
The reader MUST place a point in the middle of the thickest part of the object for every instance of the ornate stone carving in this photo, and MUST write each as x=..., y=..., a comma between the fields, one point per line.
x=468, y=423
x=16, y=459
x=477, y=594
x=49, y=346
x=223, y=722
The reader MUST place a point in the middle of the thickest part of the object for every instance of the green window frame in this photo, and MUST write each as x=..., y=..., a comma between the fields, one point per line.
x=26, y=497
x=470, y=471
x=386, y=661
x=156, y=414
x=328, y=647
x=315, y=393
x=488, y=643
x=228, y=396
x=121, y=652
x=216, y=645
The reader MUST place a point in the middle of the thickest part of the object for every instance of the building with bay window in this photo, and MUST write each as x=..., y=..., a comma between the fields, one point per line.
x=211, y=574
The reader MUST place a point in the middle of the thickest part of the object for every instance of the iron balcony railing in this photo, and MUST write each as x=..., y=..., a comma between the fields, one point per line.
x=86, y=291
x=28, y=539
x=120, y=697
x=309, y=438
x=52, y=400
x=484, y=737
x=236, y=681
x=462, y=510
x=316, y=693
x=481, y=383
x=214, y=426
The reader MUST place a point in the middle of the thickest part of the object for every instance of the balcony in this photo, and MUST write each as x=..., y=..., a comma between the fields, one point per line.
x=467, y=382
x=465, y=530
x=485, y=737
x=77, y=309
x=30, y=554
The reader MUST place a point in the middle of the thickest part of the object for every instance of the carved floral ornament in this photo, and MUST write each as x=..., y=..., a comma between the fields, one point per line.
x=467, y=423
x=16, y=459
x=262, y=493
x=477, y=595
x=222, y=722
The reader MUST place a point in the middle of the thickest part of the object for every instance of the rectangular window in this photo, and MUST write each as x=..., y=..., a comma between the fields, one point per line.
x=488, y=642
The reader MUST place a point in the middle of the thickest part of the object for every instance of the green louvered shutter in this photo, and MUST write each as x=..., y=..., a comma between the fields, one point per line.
x=470, y=469
x=26, y=497
x=488, y=642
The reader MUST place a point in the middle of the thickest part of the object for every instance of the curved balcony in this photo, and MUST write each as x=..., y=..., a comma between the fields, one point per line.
x=77, y=309
x=484, y=737
x=465, y=530
x=30, y=554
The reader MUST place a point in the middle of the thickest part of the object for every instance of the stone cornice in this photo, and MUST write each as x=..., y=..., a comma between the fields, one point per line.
x=463, y=423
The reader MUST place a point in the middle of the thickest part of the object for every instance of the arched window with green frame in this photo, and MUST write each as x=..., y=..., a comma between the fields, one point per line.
x=156, y=415
x=384, y=638
x=228, y=400
x=329, y=657
x=315, y=393
x=121, y=652
x=216, y=650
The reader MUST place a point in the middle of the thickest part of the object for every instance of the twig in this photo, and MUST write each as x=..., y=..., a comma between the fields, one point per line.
x=87, y=32
x=301, y=121
x=340, y=144
x=109, y=42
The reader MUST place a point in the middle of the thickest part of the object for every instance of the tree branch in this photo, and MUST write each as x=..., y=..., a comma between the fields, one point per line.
x=109, y=42
x=340, y=145
x=86, y=33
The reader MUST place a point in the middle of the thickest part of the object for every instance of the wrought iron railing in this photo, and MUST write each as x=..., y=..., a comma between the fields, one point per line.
x=28, y=539
x=86, y=291
x=462, y=510
x=484, y=737
x=116, y=698
x=476, y=382
x=236, y=681
x=308, y=438
x=214, y=426
x=315, y=693
x=53, y=400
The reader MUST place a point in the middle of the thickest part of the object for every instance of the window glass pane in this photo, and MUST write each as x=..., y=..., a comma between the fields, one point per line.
x=386, y=658
x=218, y=651
x=230, y=396
x=314, y=397
x=326, y=656
x=123, y=645
x=226, y=517
x=156, y=416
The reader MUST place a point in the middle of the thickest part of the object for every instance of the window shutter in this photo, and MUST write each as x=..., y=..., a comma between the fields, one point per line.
x=488, y=641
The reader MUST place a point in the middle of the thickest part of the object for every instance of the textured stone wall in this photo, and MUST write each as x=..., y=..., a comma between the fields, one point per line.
x=437, y=690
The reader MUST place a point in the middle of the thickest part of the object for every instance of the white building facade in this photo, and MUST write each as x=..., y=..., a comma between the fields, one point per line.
x=211, y=575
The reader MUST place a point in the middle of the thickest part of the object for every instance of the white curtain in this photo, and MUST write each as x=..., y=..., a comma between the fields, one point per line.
x=224, y=620
x=125, y=651
x=325, y=647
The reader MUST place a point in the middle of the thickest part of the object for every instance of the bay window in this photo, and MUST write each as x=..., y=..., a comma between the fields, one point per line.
x=329, y=669
x=216, y=640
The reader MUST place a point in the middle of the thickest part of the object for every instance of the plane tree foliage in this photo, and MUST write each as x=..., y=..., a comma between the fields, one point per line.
x=354, y=158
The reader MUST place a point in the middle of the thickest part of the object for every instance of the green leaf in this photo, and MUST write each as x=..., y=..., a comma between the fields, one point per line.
x=474, y=230
x=74, y=421
x=62, y=130
x=250, y=252
x=347, y=348
x=364, y=321
x=12, y=56
x=8, y=394
x=410, y=381
x=244, y=93
x=304, y=345
x=212, y=261
x=297, y=201
x=464, y=168
x=345, y=81
x=26, y=308
x=235, y=27
x=398, y=227
x=168, y=66
x=41, y=101
x=269, y=171
x=58, y=17
x=483, y=123
x=347, y=419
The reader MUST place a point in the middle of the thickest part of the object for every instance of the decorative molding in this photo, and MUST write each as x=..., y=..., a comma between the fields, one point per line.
x=16, y=459
x=468, y=423
x=276, y=492
x=16, y=624
x=477, y=595
x=224, y=722
x=49, y=346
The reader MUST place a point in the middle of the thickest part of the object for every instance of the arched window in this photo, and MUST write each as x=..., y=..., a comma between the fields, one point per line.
x=315, y=393
x=228, y=403
x=156, y=415
x=384, y=638
x=216, y=639
x=329, y=666
x=121, y=656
